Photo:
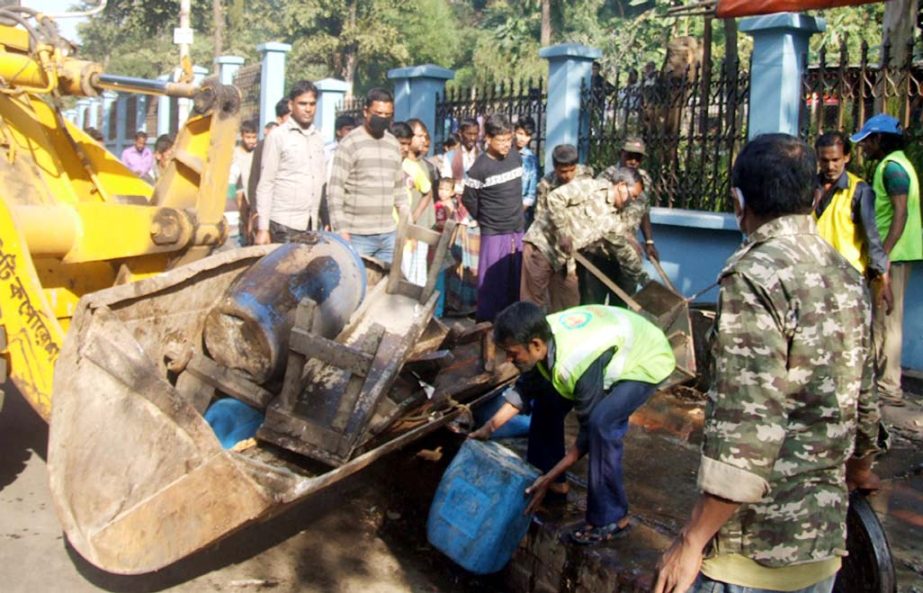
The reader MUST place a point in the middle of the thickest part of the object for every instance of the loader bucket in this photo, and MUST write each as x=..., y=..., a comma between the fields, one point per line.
x=670, y=312
x=139, y=478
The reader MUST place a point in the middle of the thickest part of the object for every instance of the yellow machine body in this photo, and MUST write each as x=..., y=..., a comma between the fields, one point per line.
x=74, y=219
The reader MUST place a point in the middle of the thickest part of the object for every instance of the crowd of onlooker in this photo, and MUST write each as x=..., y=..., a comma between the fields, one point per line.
x=514, y=232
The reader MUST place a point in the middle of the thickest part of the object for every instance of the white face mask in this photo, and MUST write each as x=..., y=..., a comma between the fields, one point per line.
x=739, y=215
x=741, y=202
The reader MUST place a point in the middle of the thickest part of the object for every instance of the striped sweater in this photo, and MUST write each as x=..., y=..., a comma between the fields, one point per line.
x=365, y=184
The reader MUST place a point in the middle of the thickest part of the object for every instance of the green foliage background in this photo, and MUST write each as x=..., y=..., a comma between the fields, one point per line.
x=484, y=41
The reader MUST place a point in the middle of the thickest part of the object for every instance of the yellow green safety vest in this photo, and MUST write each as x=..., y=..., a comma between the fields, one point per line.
x=837, y=227
x=910, y=246
x=583, y=334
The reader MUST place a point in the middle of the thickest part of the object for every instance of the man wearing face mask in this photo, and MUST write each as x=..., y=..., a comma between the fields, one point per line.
x=792, y=419
x=366, y=182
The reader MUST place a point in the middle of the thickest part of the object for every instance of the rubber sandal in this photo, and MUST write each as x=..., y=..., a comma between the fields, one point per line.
x=588, y=536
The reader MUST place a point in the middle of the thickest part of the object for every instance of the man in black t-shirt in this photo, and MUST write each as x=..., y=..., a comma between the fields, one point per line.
x=493, y=197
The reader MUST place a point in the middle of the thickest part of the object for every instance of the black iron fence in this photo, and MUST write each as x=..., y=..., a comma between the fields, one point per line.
x=693, y=124
x=515, y=99
x=841, y=96
x=352, y=107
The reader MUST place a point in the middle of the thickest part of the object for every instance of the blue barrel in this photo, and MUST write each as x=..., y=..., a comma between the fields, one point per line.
x=476, y=518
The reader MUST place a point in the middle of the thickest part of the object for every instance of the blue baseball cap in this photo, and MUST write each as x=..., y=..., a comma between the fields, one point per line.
x=878, y=124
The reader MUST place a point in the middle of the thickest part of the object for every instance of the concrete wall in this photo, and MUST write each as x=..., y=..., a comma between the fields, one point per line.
x=694, y=246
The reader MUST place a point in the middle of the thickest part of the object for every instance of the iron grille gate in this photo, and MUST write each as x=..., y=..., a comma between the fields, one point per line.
x=841, y=96
x=515, y=99
x=692, y=125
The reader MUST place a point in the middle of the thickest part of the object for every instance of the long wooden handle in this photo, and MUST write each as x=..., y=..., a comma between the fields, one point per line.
x=632, y=304
x=663, y=275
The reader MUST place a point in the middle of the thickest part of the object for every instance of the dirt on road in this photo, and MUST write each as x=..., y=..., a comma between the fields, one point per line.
x=357, y=536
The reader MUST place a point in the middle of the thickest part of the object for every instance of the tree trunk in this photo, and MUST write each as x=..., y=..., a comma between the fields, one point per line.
x=546, y=23
x=897, y=28
x=218, y=23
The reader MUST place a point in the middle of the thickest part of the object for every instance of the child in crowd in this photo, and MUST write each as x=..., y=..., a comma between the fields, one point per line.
x=445, y=204
x=522, y=137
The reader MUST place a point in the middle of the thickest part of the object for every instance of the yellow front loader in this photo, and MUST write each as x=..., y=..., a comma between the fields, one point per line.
x=73, y=219
x=141, y=351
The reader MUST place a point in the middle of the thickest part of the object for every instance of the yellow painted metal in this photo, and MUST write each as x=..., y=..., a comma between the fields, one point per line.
x=84, y=232
x=34, y=336
x=74, y=219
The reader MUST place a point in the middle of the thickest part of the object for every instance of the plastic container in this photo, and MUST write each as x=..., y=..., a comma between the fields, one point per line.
x=476, y=518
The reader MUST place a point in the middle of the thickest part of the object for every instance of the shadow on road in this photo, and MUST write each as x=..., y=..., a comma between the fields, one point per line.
x=22, y=434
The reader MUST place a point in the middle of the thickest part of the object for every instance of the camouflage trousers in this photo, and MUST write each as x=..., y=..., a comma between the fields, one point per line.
x=618, y=259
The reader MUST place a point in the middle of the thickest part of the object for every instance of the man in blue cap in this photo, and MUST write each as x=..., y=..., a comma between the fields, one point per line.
x=897, y=215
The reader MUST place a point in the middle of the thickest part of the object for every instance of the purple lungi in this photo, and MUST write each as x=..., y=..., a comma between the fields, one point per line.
x=499, y=273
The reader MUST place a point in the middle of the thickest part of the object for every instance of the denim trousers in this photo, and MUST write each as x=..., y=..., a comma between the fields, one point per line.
x=606, y=426
x=379, y=246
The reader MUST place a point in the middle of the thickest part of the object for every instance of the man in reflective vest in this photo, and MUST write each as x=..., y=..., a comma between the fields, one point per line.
x=603, y=362
x=844, y=207
x=897, y=214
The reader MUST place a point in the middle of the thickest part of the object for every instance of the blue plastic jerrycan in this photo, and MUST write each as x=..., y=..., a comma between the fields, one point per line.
x=476, y=518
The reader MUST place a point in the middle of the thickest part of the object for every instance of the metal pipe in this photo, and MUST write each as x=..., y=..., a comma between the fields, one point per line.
x=83, y=13
x=130, y=84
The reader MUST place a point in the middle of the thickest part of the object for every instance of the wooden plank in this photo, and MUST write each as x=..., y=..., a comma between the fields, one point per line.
x=395, y=275
x=433, y=338
x=391, y=356
x=435, y=267
x=195, y=391
x=428, y=236
x=353, y=392
x=329, y=352
x=632, y=304
x=228, y=381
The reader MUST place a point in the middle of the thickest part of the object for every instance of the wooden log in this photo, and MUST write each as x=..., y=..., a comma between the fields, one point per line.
x=229, y=382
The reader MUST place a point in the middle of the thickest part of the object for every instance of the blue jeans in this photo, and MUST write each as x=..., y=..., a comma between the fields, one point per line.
x=703, y=584
x=606, y=428
x=379, y=246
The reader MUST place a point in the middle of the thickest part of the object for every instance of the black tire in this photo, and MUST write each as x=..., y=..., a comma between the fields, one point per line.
x=869, y=568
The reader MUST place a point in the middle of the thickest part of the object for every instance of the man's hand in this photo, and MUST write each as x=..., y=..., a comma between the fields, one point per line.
x=652, y=253
x=678, y=567
x=882, y=290
x=345, y=235
x=859, y=474
x=538, y=489
x=483, y=433
x=262, y=238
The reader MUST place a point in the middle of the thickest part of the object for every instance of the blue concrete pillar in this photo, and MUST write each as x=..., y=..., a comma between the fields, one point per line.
x=332, y=92
x=272, y=78
x=83, y=106
x=415, y=91
x=228, y=67
x=109, y=98
x=93, y=113
x=164, y=104
x=569, y=66
x=780, y=47
x=121, y=122
x=141, y=117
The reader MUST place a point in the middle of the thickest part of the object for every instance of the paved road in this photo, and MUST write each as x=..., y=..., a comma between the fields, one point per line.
x=341, y=542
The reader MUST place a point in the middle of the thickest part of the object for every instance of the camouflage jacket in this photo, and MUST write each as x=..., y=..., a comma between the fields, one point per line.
x=635, y=210
x=580, y=210
x=544, y=236
x=792, y=396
